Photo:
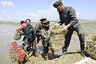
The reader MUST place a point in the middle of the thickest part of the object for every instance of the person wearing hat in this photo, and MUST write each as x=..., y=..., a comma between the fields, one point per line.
x=46, y=38
x=38, y=28
x=30, y=41
x=23, y=24
x=67, y=15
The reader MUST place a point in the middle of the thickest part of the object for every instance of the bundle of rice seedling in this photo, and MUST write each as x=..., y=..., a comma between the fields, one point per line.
x=16, y=36
x=91, y=46
x=57, y=38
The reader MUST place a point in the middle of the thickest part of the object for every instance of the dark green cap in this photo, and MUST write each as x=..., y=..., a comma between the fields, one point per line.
x=57, y=3
x=46, y=21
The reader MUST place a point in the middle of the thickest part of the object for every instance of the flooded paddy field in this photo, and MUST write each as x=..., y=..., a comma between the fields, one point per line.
x=7, y=32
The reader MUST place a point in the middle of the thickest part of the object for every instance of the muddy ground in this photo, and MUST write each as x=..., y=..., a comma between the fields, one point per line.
x=70, y=58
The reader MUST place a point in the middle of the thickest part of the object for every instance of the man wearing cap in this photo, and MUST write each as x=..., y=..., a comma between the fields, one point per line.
x=67, y=15
x=38, y=28
x=46, y=38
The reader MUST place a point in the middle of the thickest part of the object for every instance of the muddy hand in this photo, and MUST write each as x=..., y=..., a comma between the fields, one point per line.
x=56, y=25
x=18, y=33
x=17, y=29
x=65, y=28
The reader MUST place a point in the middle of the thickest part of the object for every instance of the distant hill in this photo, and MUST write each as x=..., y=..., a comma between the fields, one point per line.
x=80, y=20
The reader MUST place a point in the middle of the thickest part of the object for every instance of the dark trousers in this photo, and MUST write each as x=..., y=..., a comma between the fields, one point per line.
x=46, y=48
x=80, y=32
x=31, y=44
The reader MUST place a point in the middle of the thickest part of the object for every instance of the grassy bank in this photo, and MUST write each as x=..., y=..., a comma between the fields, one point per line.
x=87, y=26
x=18, y=23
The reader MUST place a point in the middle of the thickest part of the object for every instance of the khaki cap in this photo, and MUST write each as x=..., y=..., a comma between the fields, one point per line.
x=57, y=3
x=46, y=21
x=42, y=18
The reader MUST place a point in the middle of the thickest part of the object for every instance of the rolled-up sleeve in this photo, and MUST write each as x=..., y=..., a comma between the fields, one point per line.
x=72, y=14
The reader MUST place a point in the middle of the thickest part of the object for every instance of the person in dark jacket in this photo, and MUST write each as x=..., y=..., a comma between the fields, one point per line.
x=29, y=32
x=68, y=16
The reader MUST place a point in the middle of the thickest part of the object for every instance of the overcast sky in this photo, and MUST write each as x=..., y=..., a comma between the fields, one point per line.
x=17, y=10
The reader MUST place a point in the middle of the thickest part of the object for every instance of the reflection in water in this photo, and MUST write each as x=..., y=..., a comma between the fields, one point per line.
x=6, y=35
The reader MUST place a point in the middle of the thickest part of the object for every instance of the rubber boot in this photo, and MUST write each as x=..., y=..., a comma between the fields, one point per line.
x=52, y=53
x=49, y=53
x=46, y=57
x=82, y=50
x=36, y=55
x=64, y=51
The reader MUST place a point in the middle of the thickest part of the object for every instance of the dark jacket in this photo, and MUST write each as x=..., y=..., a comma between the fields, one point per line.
x=29, y=32
x=38, y=27
x=68, y=17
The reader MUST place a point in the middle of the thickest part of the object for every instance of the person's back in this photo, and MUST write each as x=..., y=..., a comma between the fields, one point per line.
x=38, y=27
x=23, y=24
